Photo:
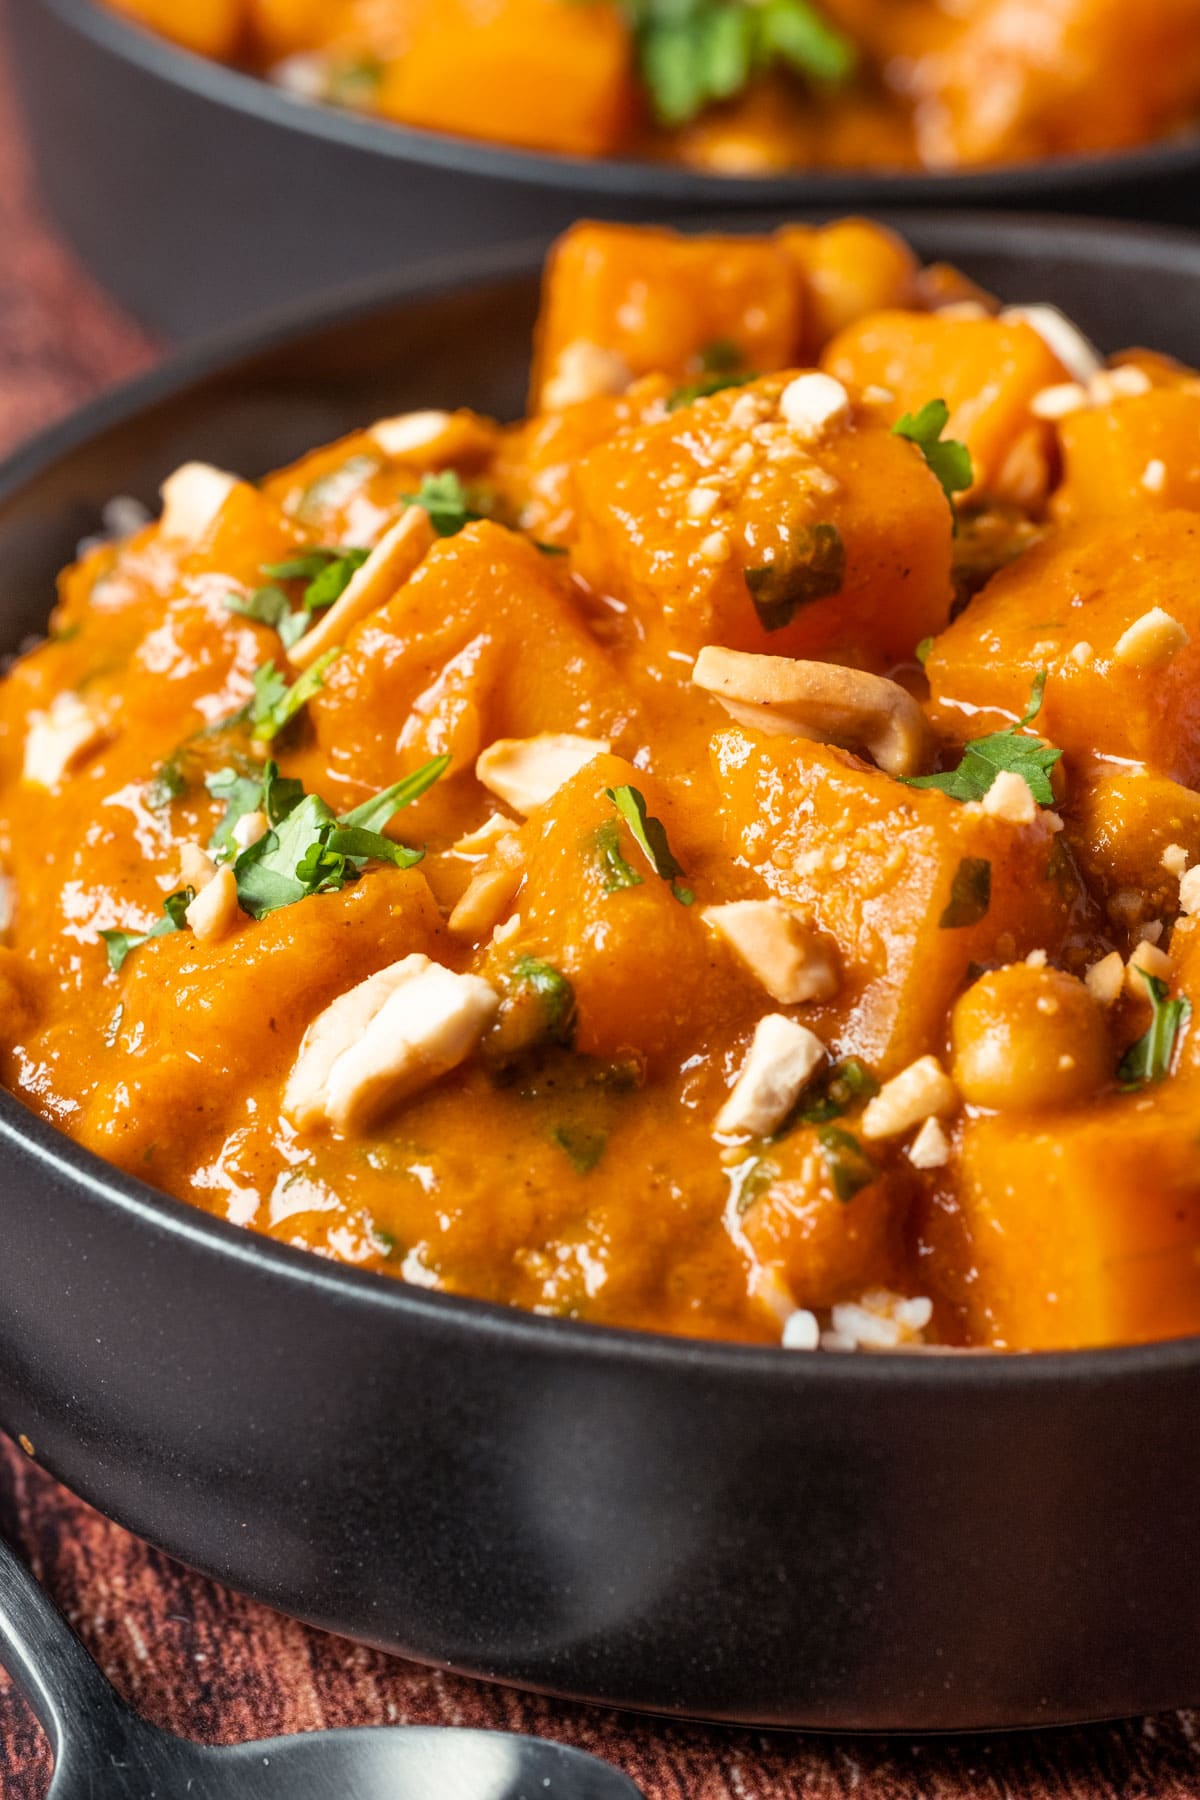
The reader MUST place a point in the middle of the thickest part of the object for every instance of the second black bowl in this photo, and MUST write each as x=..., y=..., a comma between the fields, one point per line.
x=200, y=195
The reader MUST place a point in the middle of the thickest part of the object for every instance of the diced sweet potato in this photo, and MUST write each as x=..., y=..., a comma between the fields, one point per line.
x=822, y=1245
x=672, y=515
x=1064, y=607
x=851, y=268
x=528, y=72
x=1081, y=1229
x=648, y=976
x=986, y=370
x=194, y=1017
x=912, y=886
x=661, y=302
x=444, y=668
x=1138, y=455
x=1119, y=823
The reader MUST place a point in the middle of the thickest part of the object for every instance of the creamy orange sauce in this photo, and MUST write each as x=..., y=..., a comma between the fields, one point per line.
x=988, y=1143
x=925, y=83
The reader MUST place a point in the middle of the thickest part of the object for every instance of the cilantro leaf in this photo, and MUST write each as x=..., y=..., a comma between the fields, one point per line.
x=553, y=991
x=650, y=835
x=121, y=944
x=949, y=460
x=703, y=386
x=692, y=53
x=375, y=813
x=275, y=704
x=358, y=845
x=333, y=580
x=615, y=872
x=986, y=757
x=447, y=502
x=1151, y=1057
x=850, y=1167
x=810, y=566
x=582, y=1149
x=266, y=606
x=970, y=894
x=269, y=793
x=268, y=873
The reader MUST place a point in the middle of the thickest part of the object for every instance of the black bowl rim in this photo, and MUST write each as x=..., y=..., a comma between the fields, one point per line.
x=25, y=1134
x=664, y=182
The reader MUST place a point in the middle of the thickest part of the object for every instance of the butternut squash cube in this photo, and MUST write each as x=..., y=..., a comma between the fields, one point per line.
x=1120, y=824
x=1139, y=455
x=724, y=524
x=913, y=887
x=659, y=301
x=986, y=370
x=1065, y=607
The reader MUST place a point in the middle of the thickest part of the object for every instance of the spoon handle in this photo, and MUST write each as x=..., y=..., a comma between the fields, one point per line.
x=44, y=1657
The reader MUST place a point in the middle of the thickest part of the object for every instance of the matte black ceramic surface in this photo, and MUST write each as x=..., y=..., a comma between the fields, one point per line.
x=920, y=1542
x=200, y=195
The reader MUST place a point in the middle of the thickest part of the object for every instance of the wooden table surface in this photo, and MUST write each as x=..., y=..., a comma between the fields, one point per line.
x=210, y=1665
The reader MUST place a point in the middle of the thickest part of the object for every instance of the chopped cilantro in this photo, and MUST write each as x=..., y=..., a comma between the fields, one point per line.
x=986, y=757
x=811, y=566
x=1037, y=694
x=169, y=782
x=583, y=1149
x=923, y=649
x=332, y=581
x=375, y=813
x=554, y=993
x=750, y=1180
x=837, y=1093
x=850, y=1168
x=275, y=704
x=691, y=53
x=949, y=460
x=121, y=944
x=615, y=872
x=447, y=501
x=650, y=835
x=970, y=894
x=1151, y=1057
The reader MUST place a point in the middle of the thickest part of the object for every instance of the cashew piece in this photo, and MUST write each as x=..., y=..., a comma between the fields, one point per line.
x=824, y=702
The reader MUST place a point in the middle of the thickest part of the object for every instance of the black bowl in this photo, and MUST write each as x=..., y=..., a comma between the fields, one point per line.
x=921, y=1542
x=200, y=195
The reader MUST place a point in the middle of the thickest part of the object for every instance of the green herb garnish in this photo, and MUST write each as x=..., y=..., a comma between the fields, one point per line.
x=692, y=53
x=970, y=894
x=554, y=993
x=984, y=758
x=583, y=1149
x=275, y=704
x=447, y=501
x=811, y=566
x=703, y=386
x=838, y=1091
x=122, y=944
x=169, y=782
x=615, y=872
x=850, y=1168
x=650, y=835
x=1151, y=1057
x=923, y=649
x=949, y=460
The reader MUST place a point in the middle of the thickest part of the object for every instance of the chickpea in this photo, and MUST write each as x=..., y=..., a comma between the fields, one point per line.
x=1026, y=1039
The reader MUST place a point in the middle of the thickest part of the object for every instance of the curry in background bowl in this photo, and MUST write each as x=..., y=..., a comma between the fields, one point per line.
x=737, y=87
x=717, y=856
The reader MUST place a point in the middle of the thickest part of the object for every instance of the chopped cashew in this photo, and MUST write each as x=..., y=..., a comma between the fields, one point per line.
x=801, y=1330
x=1082, y=654
x=249, y=828
x=1105, y=979
x=490, y=891
x=59, y=739
x=394, y=1033
x=214, y=911
x=483, y=840
x=813, y=402
x=930, y=1149
x=583, y=372
x=1147, y=959
x=192, y=497
x=791, y=960
x=1061, y=401
x=880, y=1320
x=1010, y=797
x=922, y=1091
x=393, y=560
x=1150, y=641
x=526, y=772
x=435, y=439
x=782, y=1059
x=196, y=866
x=1126, y=383
x=819, y=701
x=1189, y=891
x=1174, y=860
x=1154, y=475
x=1077, y=354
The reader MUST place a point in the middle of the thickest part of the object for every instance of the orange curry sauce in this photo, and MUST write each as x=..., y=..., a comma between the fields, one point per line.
x=696, y=1014
x=939, y=84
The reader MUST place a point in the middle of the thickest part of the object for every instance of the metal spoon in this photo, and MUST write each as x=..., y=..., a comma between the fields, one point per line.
x=101, y=1748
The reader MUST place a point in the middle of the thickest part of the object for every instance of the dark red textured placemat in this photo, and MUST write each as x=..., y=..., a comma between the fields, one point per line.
x=213, y=1666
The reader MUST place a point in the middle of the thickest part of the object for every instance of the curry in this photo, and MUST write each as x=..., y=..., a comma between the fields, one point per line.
x=721, y=855
x=737, y=87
